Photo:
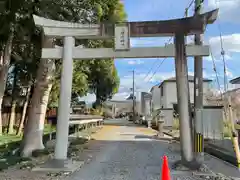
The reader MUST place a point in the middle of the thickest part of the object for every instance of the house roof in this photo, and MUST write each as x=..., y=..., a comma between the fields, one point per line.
x=190, y=79
x=146, y=95
x=130, y=97
x=157, y=85
x=235, y=81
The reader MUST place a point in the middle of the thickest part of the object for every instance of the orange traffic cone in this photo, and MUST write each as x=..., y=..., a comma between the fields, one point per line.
x=165, y=169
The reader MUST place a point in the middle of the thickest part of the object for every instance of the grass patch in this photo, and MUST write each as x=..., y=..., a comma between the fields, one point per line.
x=226, y=129
x=49, y=128
x=8, y=157
x=176, y=124
x=8, y=138
x=10, y=143
x=7, y=161
x=237, y=126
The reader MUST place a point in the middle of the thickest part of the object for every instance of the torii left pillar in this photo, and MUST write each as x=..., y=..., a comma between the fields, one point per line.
x=60, y=161
x=65, y=100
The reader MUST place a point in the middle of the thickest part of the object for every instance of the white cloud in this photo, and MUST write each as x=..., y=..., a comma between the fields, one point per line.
x=228, y=9
x=230, y=43
x=160, y=76
x=149, y=42
x=120, y=96
x=135, y=62
x=89, y=98
x=229, y=73
x=156, y=41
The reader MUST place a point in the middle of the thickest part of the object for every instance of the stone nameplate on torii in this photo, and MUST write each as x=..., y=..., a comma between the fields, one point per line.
x=122, y=37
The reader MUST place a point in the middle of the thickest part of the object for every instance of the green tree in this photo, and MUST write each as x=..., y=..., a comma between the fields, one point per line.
x=103, y=77
x=21, y=39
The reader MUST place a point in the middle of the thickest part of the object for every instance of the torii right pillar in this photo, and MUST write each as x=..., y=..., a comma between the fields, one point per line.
x=183, y=99
x=188, y=158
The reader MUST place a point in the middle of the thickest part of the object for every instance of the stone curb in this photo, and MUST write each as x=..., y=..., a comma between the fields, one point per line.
x=214, y=151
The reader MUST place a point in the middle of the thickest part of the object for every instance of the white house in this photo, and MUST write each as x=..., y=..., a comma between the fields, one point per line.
x=165, y=95
x=155, y=91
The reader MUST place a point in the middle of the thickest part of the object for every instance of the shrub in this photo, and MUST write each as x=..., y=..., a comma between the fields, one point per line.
x=176, y=124
x=96, y=111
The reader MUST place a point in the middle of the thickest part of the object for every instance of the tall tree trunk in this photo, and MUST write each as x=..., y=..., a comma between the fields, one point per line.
x=11, y=121
x=23, y=117
x=98, y=99
x=4, y=66
x=12, y=117
x=33, y=133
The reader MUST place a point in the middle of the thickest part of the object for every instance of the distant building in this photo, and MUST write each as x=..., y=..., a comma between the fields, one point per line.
x=123, y=106
x=235, y=83
x=165, y=94
x=130, y=97
x=145, y=103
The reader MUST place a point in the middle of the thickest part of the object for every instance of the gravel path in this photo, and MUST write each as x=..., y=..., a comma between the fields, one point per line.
x=130, y=153
x=125, y=154
x=124, y=151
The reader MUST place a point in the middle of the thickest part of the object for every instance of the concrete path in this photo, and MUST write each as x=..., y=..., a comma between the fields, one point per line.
x=122, y=151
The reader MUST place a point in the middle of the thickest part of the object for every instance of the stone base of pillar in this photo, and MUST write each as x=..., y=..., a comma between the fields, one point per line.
x=200, y=157
x=56, y=166
x=163, y=138
x=186, y=166
x=149, y=124
x=160, y=134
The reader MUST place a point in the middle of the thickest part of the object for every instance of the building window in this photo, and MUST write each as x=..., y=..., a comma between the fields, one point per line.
x=162, y=91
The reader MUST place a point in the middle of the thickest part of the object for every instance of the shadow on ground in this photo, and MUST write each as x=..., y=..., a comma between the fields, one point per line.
x=135, y=160
x=138, y=136
x=121, y=122
x=130, y=159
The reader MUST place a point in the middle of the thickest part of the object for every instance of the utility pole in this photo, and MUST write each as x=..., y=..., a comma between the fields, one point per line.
x=133, y=95
x=198, y=90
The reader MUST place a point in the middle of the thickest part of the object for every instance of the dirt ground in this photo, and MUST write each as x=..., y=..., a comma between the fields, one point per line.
x=22, y=169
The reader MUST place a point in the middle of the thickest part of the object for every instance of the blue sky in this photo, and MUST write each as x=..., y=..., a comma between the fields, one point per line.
x=150, y=72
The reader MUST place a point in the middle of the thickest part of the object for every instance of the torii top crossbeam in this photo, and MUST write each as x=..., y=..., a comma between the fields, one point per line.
x=186, y=26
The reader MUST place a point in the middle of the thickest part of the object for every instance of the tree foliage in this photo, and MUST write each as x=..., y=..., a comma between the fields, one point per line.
x=94, y=75
x=20, y=47
x=98, y=76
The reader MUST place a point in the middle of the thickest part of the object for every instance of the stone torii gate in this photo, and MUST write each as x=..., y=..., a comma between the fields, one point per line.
x=121, y=32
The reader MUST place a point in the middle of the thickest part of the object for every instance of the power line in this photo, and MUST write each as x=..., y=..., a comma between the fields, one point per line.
x=185, y=13
x=224, y=62
x=190, y=4
x=215, y=70
x=222, y=54
x=153, y=65
x=156, y=69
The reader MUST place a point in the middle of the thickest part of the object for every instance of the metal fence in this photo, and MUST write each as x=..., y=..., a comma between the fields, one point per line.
x=212, y=123
x=168, y=117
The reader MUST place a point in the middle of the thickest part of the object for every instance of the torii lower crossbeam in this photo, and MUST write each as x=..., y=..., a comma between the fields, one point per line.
x=150, y=52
